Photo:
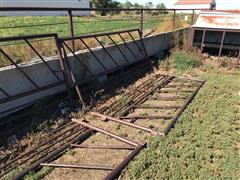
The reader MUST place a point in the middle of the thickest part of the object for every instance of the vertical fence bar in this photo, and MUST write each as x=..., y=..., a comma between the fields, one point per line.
x=141, y=23
x=70, y=28
x=193, y=16
x=221, y=46
x=174, y=19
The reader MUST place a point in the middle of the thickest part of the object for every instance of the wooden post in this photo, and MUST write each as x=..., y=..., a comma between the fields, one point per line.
x=141, y=23
x=70, y=28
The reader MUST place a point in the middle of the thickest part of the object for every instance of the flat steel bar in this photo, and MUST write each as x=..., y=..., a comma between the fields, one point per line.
x=179, y=86
x=36, y=52
x=127, y=141
x=103, y=117
x=146, y=117
x=137, y=98
x=190, y=98
x=119, y=49
x=174, y=91
x=103, y=147
x=15, y=64
x=36, y=151
x=97, y=34
x=78, y=166
x=173, y=98
x=78, y=59
x=157, y=107
x=111, y=57
x=4, y=92
x=221, y=45
x=51, y=155
x=15, y=38
x=117, y=170
x=143, y=45
x=74, y=81
x=124, y=42
x=203, y=39
x=160, y=85
x=94, y=55
x=140, y=50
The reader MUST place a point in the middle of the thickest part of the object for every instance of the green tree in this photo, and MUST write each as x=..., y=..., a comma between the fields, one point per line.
x=161, y=6
x=149, y=5
x=104, y=4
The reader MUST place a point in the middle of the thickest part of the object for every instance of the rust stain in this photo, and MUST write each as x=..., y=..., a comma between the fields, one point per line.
x=220, y=20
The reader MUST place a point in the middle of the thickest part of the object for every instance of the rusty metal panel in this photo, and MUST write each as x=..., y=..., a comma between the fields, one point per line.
x=219, y=20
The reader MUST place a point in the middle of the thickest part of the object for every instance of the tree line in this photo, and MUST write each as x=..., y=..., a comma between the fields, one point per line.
x=126, y=5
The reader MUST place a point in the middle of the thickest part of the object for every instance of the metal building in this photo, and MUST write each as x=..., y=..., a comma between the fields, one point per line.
x=218, y=31
x=44, y=4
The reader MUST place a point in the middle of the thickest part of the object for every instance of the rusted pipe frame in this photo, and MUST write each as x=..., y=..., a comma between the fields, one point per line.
x=74, y=80
x=164, y=83
x=92, y=9
x=136, y=97
x=62, y=64
x=173, y=98
x=115, y=103
x=37, y=152
x=36, y=52
x=193, y=16
x=174, y=19
x=139, y=89
x=70, y=28
x=117, y=170
x=174, y=91
x=35, y=36
x=177, y=85
x=82, y=137
x=126, y=45
x=143, y=45
x=190, y=98
x=125, y=140
x=78, y=166
x=140, y=50
x=202, y=42
x=146, y=117
x=97, y=35
x=78, y=59
x=111, y=57
x=19, y=68
x=221, y=45
x=157, y=107
x=119, y=49
x=102, y=147
x=94, y=55
x=104, y=117
x=141, y=23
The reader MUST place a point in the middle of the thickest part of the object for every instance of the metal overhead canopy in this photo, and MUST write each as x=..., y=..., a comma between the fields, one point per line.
x=218, y=20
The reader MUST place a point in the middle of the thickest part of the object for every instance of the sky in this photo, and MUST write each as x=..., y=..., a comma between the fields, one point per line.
x=221, y=4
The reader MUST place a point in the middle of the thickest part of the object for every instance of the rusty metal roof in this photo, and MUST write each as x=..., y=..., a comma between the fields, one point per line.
x=193, y=2
x=219, y=20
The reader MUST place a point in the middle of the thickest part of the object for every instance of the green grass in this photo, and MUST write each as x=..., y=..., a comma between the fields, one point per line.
x=82, y=25
x=205, y=141
x=184, y=60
